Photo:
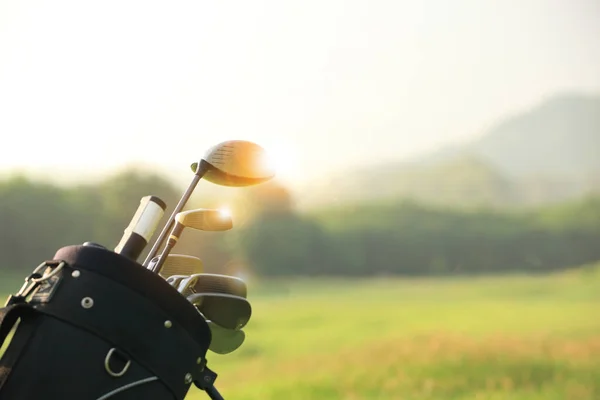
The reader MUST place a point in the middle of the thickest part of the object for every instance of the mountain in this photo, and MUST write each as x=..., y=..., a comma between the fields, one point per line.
x=463, y=180
x=560, y=138
x=548, y=153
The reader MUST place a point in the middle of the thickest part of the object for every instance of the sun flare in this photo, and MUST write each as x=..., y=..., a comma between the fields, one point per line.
x=282, y=158
x=225, y=212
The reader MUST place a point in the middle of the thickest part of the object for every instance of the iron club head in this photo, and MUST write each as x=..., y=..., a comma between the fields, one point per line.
x=179, y=264
x=216, y=283
x=174, y=280
x=202, y=219
x=228, y=311
x=225, y=341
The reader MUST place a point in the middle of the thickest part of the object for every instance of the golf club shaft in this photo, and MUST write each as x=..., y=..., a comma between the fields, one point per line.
x=178, y=208
x=162, y=258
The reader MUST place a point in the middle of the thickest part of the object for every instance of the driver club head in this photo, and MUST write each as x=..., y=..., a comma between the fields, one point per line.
x=225, y=310
x=225, y=341
x=179, y=264
x=235, y=163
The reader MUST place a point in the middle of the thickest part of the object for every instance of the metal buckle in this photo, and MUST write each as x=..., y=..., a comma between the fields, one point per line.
x=33, y=281
x=47, y=276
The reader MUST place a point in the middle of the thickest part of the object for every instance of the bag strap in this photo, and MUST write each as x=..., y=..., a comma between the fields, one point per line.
x=8, y=318
x=17, y=305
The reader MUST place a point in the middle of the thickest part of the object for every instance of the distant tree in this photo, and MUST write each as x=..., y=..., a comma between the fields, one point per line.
x=272, y=238
x=37, y=218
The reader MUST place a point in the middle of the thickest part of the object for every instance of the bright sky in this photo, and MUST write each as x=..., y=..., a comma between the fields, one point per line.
x=89, y=86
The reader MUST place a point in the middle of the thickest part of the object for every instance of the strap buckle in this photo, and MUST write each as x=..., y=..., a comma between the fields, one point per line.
x=34, y=280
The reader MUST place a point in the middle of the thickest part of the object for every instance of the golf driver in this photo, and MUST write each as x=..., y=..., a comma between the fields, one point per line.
x=225, y=341
x=233, y=163
x=202, y=219
x=179, y=264
x=225, y=310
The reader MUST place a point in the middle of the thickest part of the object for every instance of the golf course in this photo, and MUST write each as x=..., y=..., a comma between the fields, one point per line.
x=489, y=338
x=511, y=337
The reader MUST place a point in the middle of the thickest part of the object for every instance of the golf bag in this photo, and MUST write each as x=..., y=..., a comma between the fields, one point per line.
x=92, y=324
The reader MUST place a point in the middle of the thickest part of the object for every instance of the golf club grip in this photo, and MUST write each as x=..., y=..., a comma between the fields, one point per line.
x=213, y=393
x=141, y=228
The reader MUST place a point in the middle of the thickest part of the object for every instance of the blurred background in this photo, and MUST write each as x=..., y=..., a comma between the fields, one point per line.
x=434, y=228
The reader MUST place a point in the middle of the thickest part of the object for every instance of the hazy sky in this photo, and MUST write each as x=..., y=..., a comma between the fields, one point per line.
x=89, y=86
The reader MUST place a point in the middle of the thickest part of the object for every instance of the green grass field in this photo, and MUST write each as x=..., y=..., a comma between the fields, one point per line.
x=480, y=338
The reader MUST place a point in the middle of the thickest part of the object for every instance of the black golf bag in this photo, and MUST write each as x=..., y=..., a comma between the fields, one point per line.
x=92, y=324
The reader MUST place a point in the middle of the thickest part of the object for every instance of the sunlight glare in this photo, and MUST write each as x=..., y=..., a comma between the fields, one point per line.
x=282, y=158
x=225, y=212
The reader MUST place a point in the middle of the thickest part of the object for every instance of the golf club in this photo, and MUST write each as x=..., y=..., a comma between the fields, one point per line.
x=212, y=283
x=141, y=228
x=179, y=264
x=202, y=219
x=185, y=284
x=216, y=283
x=226, y=310
x=225, y=341
x=235, y=163
x=174, y=280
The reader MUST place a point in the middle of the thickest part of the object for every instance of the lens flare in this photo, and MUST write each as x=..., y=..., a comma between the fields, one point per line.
x=225, y=212
x=281, y=158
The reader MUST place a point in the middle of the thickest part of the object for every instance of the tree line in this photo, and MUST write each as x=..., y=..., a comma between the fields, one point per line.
x=271, y=238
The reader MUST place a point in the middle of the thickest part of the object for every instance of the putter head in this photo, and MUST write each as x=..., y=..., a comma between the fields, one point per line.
x=179, y=264
x=225, y=341
x=235, y=163
x=225, y=310
x=205, y=219
x=216, y=283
